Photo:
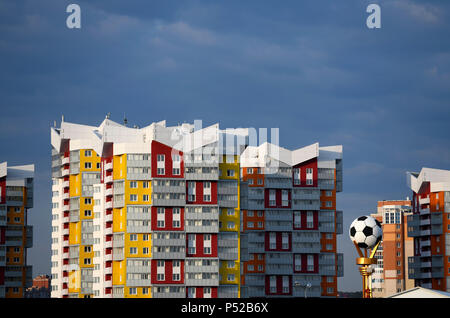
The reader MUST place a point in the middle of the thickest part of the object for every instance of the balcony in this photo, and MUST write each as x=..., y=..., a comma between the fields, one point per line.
x=108, y=270
x=108, y=205
x=65, y=161
x=108, y=166
x=109, y=217
x=425, y=243
x=109, y=257
x=425, y=254
x=109, y=192
x=108, y=179
x=108, y=231
x=425, y=222
x=65, y=231
x=108, y=244
x=425, y=232
x=66, y=184
x=424, y=201
x=65, y=172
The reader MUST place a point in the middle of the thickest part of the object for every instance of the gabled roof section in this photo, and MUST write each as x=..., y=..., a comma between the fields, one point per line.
x=439, y=179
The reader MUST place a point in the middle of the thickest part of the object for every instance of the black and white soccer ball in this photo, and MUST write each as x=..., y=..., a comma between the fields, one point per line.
x=365, y=231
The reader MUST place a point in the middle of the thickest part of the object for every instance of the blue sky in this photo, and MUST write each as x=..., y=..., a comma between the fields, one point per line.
x=312, y=69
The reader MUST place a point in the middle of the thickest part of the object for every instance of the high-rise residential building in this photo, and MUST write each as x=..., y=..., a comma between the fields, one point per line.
x=290, y=221
x=430, y=227
x=16, y=236
x=156, y=212
x=390, y=274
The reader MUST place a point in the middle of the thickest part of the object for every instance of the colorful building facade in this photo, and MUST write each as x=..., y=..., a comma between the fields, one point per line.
x=157, y=212
x=390, y=275
x=430, y=227
x=16, y=236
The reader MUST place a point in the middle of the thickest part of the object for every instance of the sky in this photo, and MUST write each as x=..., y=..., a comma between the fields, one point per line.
x=310, y=68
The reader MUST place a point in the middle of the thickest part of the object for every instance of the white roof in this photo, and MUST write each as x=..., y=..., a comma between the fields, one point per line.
x=14, y=173
x=439, y=179
x=420, y=292
x=267, y=154
x=184, y=137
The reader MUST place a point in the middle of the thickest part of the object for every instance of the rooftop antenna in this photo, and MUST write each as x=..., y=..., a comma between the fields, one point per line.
x=62, y=118
x=125, y=120
x=108, y=115
x=54, y=123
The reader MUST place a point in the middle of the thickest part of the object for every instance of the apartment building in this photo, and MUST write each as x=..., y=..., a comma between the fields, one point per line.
x=290, y=221
x=156, y=212
x=16, y=236
x=429, y=225
x=390, y=274
x=144, y=212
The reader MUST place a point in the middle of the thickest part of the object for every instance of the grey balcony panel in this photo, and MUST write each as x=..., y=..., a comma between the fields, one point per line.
x=279, y=216
x=227, y=190
x=327, y=272
x=228, y=203
x=120, y=203
x=168, y=202
x=228, y=243
x=169, y=295
x=287, y=226
x=202, y=229
x=138, y=282
x=256, y=195
x=252, y=248
x=437, y=273
x=139, y=176
x=201, y=176
x=300, y=292
x=228, y=256
x=138, y=229
x=138, y=216
x=118, y=256
x=202, y=216
x=202, y=269
x=285, y=259
x=436, y=219
x=436, y=230
x=254, y=237
x=255, y=205
x=202, y=282
x=169, y=242
x=227, y=294
x=87, y=241
x=327, y=228
x=168, y=255
x=255, y=292
x=139, y=163
x=279, y=269
x=285, y=183
x=326, y=184
x=306, y=196
x=300, y=249
x=168, y=189
x=303, y=205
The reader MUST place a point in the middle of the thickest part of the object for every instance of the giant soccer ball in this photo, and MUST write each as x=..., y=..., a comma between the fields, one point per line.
x=365, y=231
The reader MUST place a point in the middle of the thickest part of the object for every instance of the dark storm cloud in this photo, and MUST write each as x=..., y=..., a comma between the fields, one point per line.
x=312, y=69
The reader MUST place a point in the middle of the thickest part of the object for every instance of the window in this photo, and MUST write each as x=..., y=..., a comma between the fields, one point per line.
x=250, y=225
x=133, y=250
x=207, y=250
x=145, y=186
x=207, y=197
x=145, y=198
x=160, y=219
x=230, y=212
x=133, y=197
x=329, y=193
x=230, y=173
x=272, y=201
x=250, y=213
x=230, y=264
x=87, y=261
x=176, y=276
x=230, y=225
x=230, y=277
x=249, y=170
x=87, y=201
x=87, y=249
x=133, y=291
x=88, y=165
x=176, y=171
x=250, y=181
x=133, y=237
x=88, y=153
x=133, y=184
x=87, y=213
x=145, y=237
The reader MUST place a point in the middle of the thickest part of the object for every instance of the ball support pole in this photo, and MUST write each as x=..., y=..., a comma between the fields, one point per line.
x=365, y=262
